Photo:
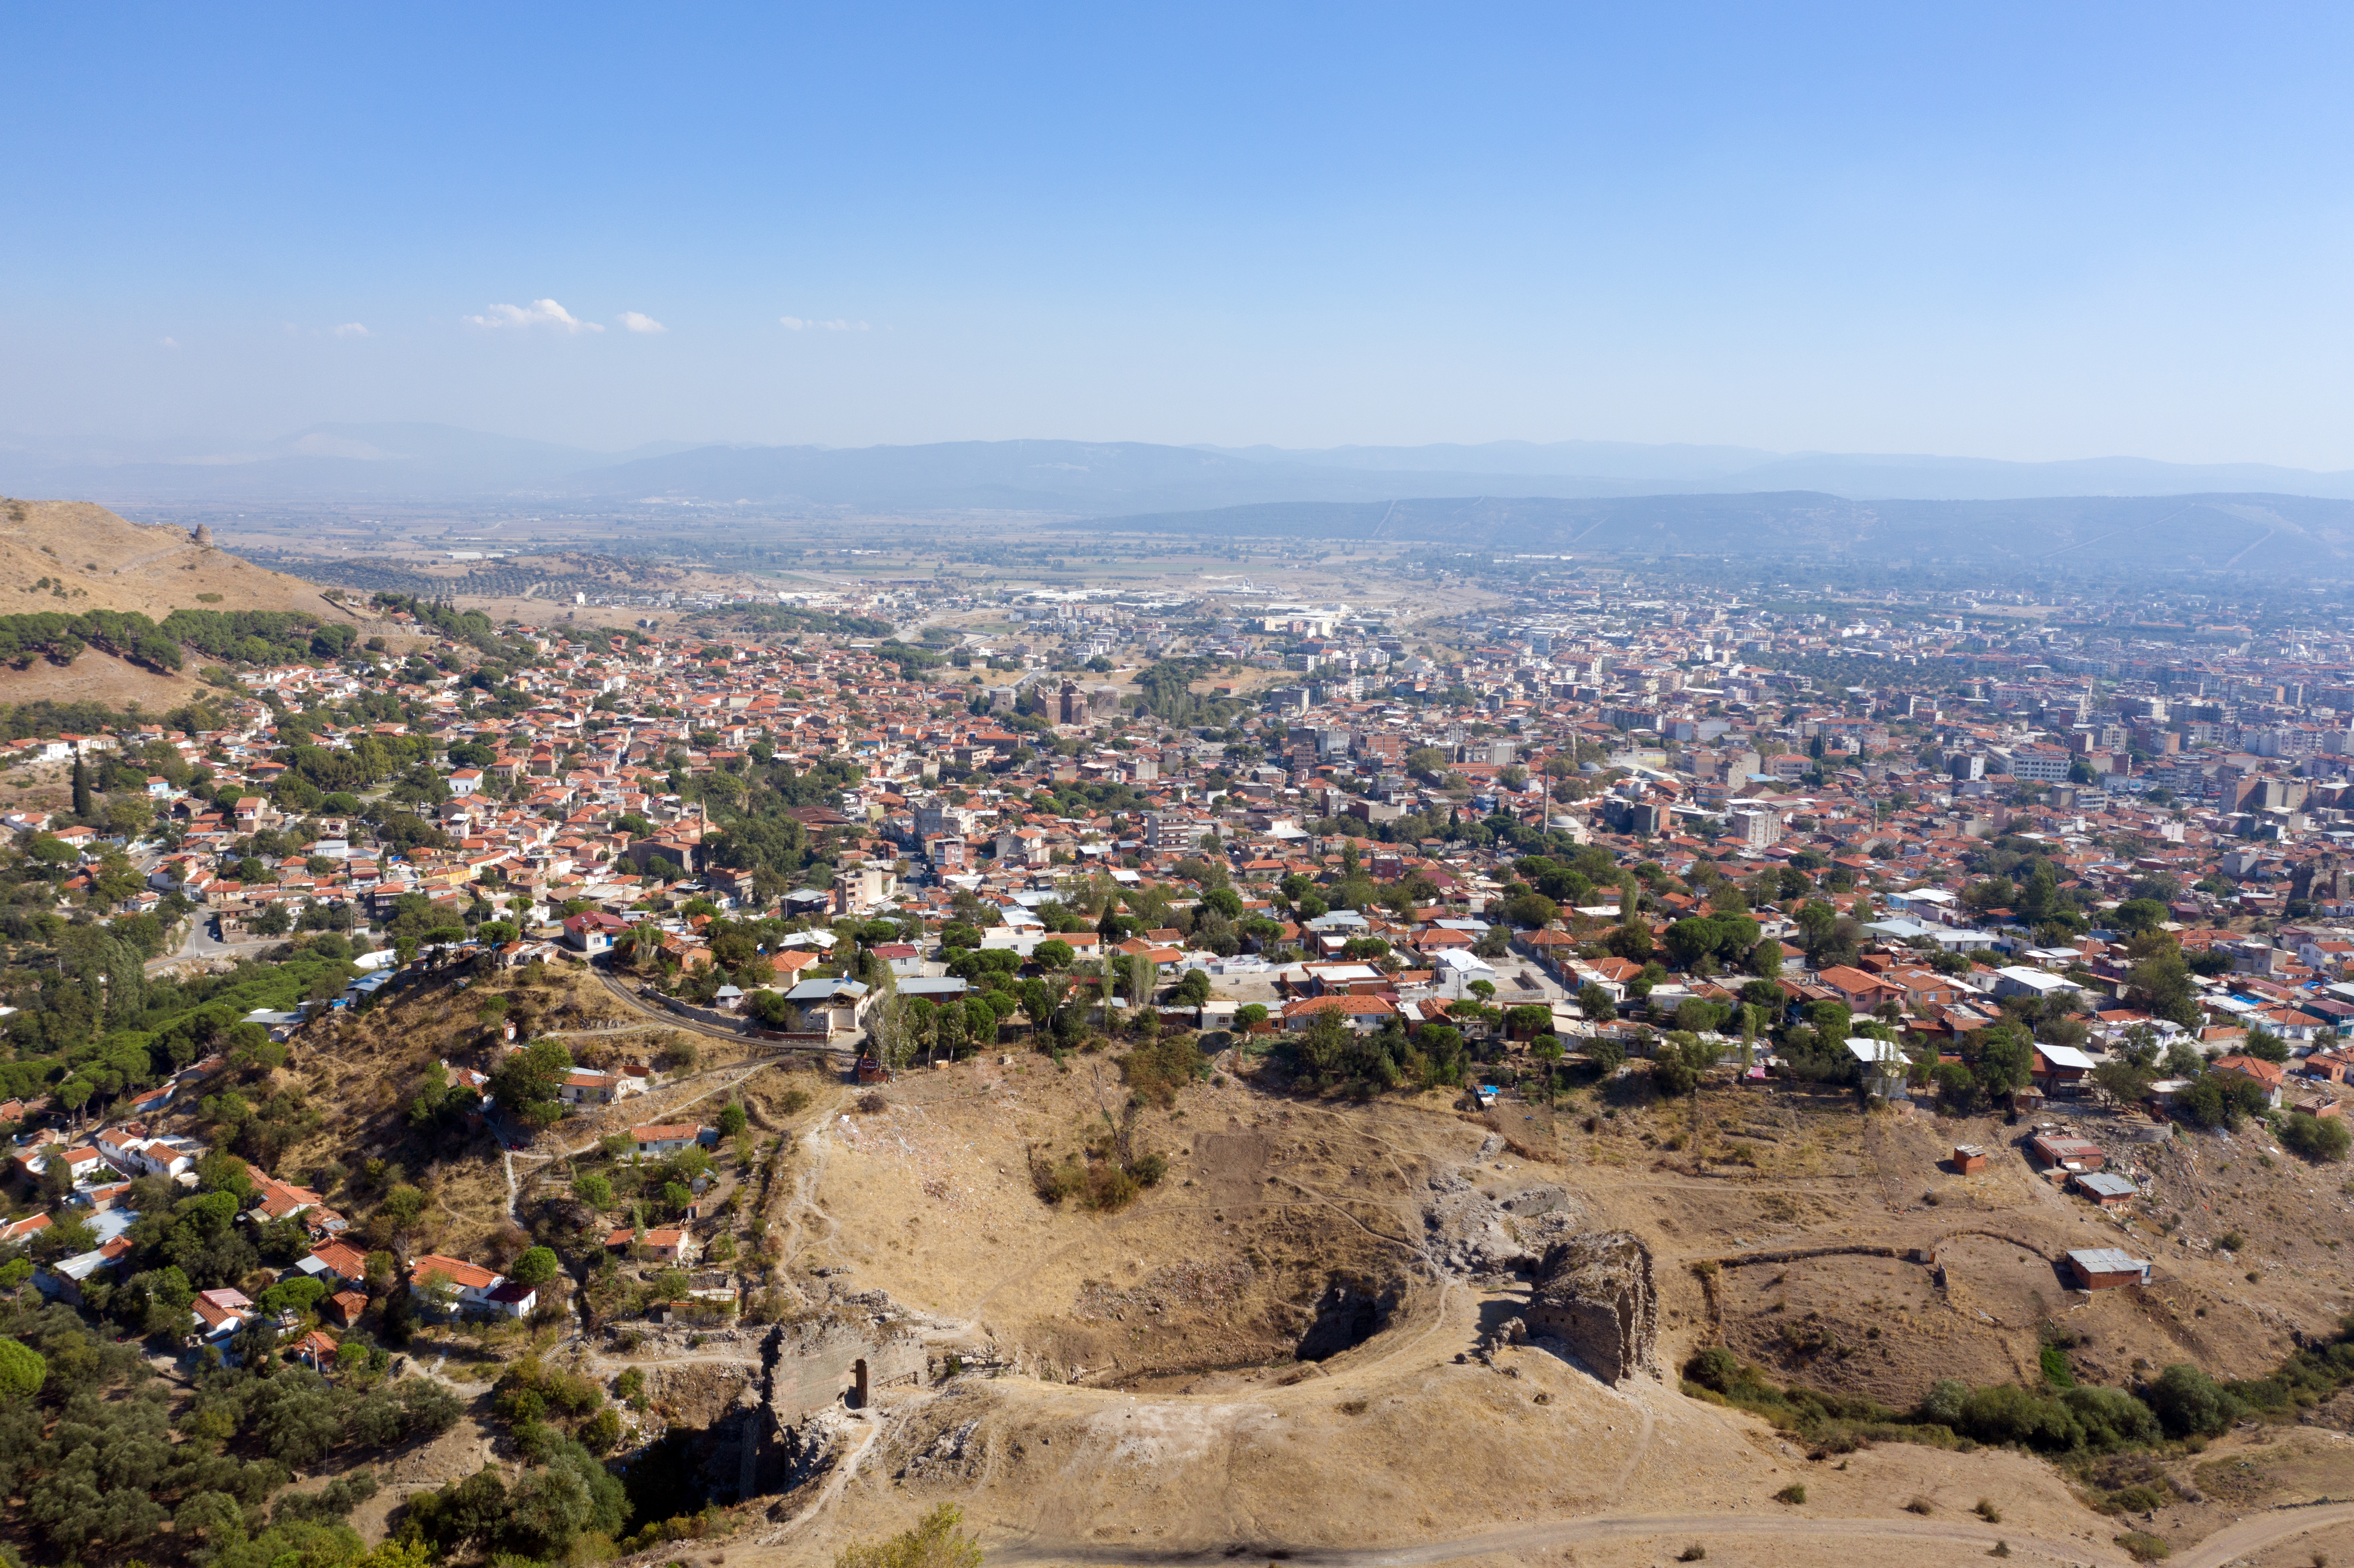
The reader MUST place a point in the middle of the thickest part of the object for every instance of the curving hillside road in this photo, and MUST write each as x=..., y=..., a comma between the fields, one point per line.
x=199, y=943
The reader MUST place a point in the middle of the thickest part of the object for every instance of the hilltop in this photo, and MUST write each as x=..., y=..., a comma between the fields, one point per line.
x=76, y=555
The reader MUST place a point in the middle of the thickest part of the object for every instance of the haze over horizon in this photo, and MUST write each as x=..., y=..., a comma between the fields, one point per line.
x=2001, y=235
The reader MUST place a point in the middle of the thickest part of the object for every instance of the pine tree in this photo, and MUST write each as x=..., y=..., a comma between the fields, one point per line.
x=81, y=804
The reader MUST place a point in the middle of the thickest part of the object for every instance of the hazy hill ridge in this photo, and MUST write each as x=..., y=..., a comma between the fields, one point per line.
x=442, y=462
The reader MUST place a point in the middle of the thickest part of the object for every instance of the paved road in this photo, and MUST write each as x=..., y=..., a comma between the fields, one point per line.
x=202, y=944
x=839, y=1057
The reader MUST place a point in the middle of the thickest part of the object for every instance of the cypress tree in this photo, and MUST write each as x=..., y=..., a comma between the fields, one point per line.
x=81, y=806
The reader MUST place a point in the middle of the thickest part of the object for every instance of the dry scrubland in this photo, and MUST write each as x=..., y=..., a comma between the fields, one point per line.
x=360, y=1073
x=72, y=556
x=1276, y=1349
x=103, y=561
x=1147, y=1405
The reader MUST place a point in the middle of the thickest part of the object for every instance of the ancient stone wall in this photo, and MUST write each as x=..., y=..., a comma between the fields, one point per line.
x=1593, y=1294
x=816, y=1360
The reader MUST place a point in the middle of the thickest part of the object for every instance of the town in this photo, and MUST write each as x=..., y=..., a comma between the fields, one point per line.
x=2026, y=871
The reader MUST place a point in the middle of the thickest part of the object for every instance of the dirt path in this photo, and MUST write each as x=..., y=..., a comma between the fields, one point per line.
x=2263, y=1530
x=844, y=1469
x=803, y=1196
x=1530, y=1539
x=1642, y=1446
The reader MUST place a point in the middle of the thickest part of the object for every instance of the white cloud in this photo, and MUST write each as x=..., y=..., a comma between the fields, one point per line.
x=352, y=329
x=636, y=323
x=800, y=323
x=167, y=342
x=543, y=313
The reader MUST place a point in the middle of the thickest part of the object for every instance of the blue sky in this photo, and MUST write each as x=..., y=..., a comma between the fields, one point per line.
x=2023, y=232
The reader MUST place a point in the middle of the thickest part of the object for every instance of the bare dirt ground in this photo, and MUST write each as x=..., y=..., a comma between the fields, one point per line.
x=97, y=560
x=1148, y=1405
x=96, y=677
x=1260, y=1355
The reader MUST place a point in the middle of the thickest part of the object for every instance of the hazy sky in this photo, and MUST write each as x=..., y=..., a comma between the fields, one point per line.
x=2035, y=231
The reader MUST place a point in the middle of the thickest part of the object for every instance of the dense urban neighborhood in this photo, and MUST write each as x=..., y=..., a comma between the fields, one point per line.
x=439, y=985
x=1652, y=817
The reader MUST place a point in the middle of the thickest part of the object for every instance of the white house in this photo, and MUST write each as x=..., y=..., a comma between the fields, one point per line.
x=830, y=1006
x=171, y=1156
x=2018, y=979
x=471, y=1287
x=584, y=1087
x=669, y=1137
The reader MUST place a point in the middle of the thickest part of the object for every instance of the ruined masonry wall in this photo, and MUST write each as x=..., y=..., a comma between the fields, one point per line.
x=816, y=1360
x=1595, y=1294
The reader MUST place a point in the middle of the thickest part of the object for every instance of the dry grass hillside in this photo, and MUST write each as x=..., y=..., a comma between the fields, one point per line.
x=97, y=560
x=98, y=677
x=1276, y=1352
x=1295, y=1345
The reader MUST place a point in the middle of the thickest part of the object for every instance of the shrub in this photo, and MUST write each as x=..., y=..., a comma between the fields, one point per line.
x=1943, y=1403
x=2191, y=1403
x=600, y=1431
x=1156, y=1071
x=1921, y=1506
x=335, y=1500
x=530, y=1389
x=2111, y=1418
x=934, y=1543
x=2143, y=1547
x=2317, y=1138
x=1715, y=1368
x=1694, y=1553
x=1796, y=1492
x=1988, y=1511
x=2008, y=1414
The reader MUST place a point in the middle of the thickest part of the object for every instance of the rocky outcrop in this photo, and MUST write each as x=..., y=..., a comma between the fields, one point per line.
x=1466, y=1231
x=1350, y=1312
x=1593, y=1294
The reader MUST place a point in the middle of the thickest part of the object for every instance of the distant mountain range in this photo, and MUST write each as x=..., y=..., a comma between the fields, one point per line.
x=325, y=462
x=427, y=462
